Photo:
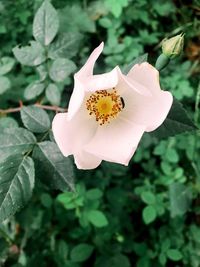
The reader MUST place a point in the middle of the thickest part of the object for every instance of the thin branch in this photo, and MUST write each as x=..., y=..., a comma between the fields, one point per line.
x=10, y=110
x=53, y=108
x=46, y=107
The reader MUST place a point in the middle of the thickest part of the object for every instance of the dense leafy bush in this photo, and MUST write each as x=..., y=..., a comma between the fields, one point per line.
x=143, y=215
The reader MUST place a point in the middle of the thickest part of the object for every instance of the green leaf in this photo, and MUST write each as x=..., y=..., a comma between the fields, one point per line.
x=171, y=155
x=15, y=141
x=33, y=90
x=61, y=69
x=4, y=84
x=70, y=200
x=97, y=9
x=105, y=22
x=176, y=122
x=16, y=182
x=164, y=10
x=81, y=252
x=46, y=200
x=31, y=55
x=117, y=260
x=75, y=23
x=53, y=168
x=35, y=119
x=6, y=64
x=46, y=23
x=148, y=197
x=53, y=94
x=97, y=218
x=42, y=71
x=67, y=200
x=180, y=198
x=120, y=260
x=65, y=46
x=174, y=254
x=116, y=7
x=138, y=60
x=7, y=122
x=62, y=251
x=94, y=194
x=160, y=149
x=149, y=214
x=162, y=259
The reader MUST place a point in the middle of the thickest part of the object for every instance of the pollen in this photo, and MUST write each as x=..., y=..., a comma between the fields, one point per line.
x=104, y=105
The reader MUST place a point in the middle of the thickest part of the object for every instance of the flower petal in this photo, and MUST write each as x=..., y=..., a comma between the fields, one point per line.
x=85, y=82
x=159, y=109
x=76, y=99
x=86, y=161
x=87, y=69
x=116, y=142
x=146, y=75
x=149, y=111
x=102, y=81
x=71, y=135
x=92, y=84
x=126, y=83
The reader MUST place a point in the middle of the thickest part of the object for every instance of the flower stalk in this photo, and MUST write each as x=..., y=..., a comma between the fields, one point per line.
x=171, y=48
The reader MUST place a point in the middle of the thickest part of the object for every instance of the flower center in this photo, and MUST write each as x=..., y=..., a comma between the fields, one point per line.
x=104, y=105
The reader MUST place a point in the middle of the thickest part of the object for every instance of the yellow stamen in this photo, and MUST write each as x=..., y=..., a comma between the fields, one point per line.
x=104, y=105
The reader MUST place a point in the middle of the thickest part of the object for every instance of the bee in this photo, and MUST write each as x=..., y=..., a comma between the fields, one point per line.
x=122, y=100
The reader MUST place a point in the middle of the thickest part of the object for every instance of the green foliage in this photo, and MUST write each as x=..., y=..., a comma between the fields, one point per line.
x=17, y=181
x=53, y=164
x=81, y=252
x=116, y=7
x=51, y=60
x=35, y=119
x=174, y=254
x=73, y=23
x=176, y=122
x=4, y=84
x=86, y=204
x=149, y=214
x=15, y=141
x=61, y=69
x=6, y=123
x=146, y=214
x=45, y=24
x=31, y=55
x=6, y=65
x=97, y=218
x=180, y=199
x=33, y=90
x=53, y=94
x=66, y=45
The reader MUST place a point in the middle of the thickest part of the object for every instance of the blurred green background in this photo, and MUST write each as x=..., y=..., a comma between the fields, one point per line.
x=144, y=215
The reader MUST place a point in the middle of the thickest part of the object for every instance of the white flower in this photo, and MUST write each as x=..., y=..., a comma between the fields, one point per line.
x=108, y=113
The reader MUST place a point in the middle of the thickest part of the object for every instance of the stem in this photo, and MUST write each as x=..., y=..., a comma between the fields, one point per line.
x=196, y=119
x=46, y=107
x=54, y=108
x=31, y=150
x=24, y=239
x=196, y=115
x=161, y=62
x=6, y=236
x=44, y=136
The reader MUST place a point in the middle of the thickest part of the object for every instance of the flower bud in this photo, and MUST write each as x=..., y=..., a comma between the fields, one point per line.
x=173, y=47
